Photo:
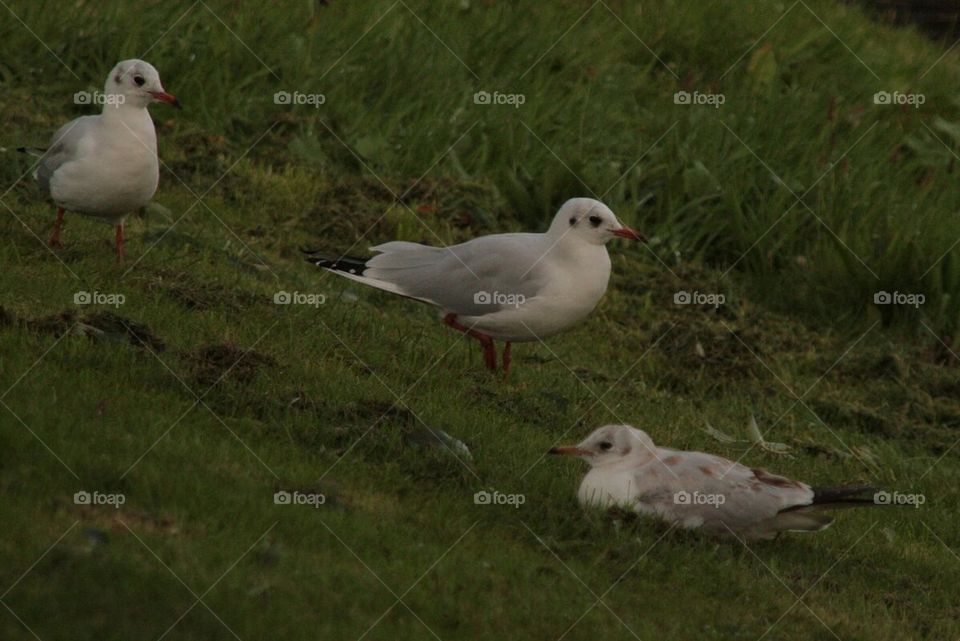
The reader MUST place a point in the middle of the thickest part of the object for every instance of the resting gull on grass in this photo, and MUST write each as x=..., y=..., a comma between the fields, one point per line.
x=696, y=490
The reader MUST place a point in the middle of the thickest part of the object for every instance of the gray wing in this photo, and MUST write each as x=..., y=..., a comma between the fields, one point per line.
x=63, y=148
x=475, y=278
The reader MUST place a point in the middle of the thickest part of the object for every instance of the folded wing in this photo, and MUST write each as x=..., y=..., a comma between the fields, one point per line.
x=720, y=494
x=474, y=278
x=64, y=147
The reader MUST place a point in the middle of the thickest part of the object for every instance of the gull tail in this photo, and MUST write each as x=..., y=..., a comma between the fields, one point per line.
x=354, y=268
x=36, y=152
x=810, y=518
x=328, y=260
x=843, y=496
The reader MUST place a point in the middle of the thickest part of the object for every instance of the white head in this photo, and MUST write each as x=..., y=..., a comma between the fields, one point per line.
x=611, y=444
x=591, y=221
x=137, y=84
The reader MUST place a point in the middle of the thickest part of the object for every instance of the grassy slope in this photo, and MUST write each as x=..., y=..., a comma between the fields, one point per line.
x=323, y=384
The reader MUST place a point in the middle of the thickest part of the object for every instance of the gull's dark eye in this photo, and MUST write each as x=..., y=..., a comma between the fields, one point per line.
x=595, y=221
x=139, y=80
x=605, y=445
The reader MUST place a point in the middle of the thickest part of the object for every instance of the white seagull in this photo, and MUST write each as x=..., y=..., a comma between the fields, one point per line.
x=509, y=287
x=696, y=490
x=106, y=166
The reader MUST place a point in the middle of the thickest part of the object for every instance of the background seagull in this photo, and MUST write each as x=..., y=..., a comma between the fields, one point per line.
x=699, y=490
x=106, y=166
x=508, y=287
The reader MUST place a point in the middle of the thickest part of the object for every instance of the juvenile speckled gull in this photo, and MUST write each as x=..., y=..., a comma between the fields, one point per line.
x=509, y=287
x=696, y=490
x=106, y=166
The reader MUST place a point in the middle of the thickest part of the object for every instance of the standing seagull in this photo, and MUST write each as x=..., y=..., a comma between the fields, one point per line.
x=698, y=490
x=106, y=166
x=508, y=287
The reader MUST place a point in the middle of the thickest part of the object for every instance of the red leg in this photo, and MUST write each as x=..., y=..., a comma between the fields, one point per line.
x=506, y=358
x=55, y=236
x=120, y=243
x=489, y=351
x=489, y=355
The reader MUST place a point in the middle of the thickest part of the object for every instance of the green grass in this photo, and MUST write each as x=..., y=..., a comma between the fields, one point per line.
x=221, y=398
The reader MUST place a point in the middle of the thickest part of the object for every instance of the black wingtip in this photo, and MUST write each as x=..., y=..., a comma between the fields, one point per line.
x=843, y=493
x=334, y=262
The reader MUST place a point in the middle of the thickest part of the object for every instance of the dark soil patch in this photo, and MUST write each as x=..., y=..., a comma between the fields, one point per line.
x=115, y=326
x=118, y=520
x=212, y=364
x=101, y=326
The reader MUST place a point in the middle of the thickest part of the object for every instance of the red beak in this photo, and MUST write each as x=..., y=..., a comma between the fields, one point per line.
x=168, y=98
x=567, y=450
x=626, y=232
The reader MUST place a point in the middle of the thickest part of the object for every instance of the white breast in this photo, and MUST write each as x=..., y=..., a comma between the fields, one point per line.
x=604, y=487
x=574, y=286
x=115, y=169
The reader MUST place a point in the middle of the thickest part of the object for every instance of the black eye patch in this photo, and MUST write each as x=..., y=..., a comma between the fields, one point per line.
x=573, y=221
x=595, y=221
